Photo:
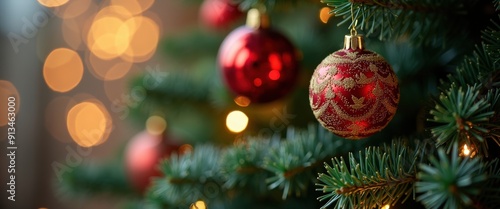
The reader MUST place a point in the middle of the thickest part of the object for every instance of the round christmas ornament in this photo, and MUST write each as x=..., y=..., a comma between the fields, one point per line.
x=354, y=92
x=258, y=62
x=142, y=155
x=219, y=13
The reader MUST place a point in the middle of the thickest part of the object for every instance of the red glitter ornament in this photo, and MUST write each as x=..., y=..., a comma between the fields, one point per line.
x=258, y=62
x=219, y=13
x=354, y=92
x=142, y=155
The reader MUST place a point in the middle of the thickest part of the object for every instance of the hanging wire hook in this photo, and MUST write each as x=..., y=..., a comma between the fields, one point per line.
x=354, y=22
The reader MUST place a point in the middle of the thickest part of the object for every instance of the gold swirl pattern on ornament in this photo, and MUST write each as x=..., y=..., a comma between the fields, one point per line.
x=389, y=107
x=345, y=116
x=318, y=86
x=352, y=57
x=348, y=83
x=356, y=132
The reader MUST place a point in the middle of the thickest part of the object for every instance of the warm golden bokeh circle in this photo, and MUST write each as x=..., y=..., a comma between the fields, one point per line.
x=89, y=123
x=324, y=14
x=52, y=3
x=236, y=121
x=62, y=70
x=108, y=70
x=144, y=39
x=108, y=37
x=74, y=8
x=134, y=6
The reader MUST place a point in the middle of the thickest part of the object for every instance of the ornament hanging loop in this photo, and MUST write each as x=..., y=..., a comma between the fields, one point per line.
x=354, y=41
x=354, y=23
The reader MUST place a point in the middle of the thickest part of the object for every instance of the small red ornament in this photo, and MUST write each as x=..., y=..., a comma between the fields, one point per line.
x=354, y=92
x=219, y=13
x=142, y=155
x=258, y=62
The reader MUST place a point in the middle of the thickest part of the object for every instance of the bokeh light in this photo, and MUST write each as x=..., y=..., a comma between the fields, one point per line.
x=236, y=121
x=324, y=14
x=386, y=207
x=145, y=34
x=74, y=8
x=134, y=6
x=63, y=70
x=108, y=70
x=242, y=101
x=466, y=150
x=7, y=89
x=108, y=37
x=89, y=123
x=198, y=205
x=156, y=125
x=185, y=148
x=52, y=3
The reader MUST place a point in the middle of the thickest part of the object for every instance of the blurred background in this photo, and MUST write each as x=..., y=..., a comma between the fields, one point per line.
x=48, y=66
x=96, y=81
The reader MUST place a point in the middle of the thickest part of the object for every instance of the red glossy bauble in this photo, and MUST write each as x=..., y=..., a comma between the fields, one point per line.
x=354, y=93
x=258, y=63
x=142, y=155
x=219, y=13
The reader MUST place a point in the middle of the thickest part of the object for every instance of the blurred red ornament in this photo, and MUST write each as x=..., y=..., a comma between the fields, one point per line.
x=142, y=155
x=219, y=13
x=258, y=62
x=354, y=92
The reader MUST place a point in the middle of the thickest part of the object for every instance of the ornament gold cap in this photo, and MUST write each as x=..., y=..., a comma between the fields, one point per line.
x=354, y=42
x=257, y=19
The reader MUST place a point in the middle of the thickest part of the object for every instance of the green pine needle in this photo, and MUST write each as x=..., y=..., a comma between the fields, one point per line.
x=376, y=177
x=190, y=177
x=450, y=183
x=414, y=20
x=293, y=161
x=462, y=115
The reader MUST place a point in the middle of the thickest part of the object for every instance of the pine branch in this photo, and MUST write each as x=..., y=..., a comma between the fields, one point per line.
x=376, y=177
x=450, y=182
x=286, y=165
x=243, y=165
x=415, y=21
x=464, y=117
x=87, y=178
x=468, y=110
x=193, y=176
x=294, y=160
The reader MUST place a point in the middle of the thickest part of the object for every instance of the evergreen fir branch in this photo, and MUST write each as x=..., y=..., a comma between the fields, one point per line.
x=413, y=20
x=293, y=160
x=187, y=177
x=464, y=116
x=450, y=183
x=491, y=38
x=108, y=178
x=376, y=177
x=243, y=165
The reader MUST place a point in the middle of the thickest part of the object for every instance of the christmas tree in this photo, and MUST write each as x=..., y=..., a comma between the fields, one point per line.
x=235, y=115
